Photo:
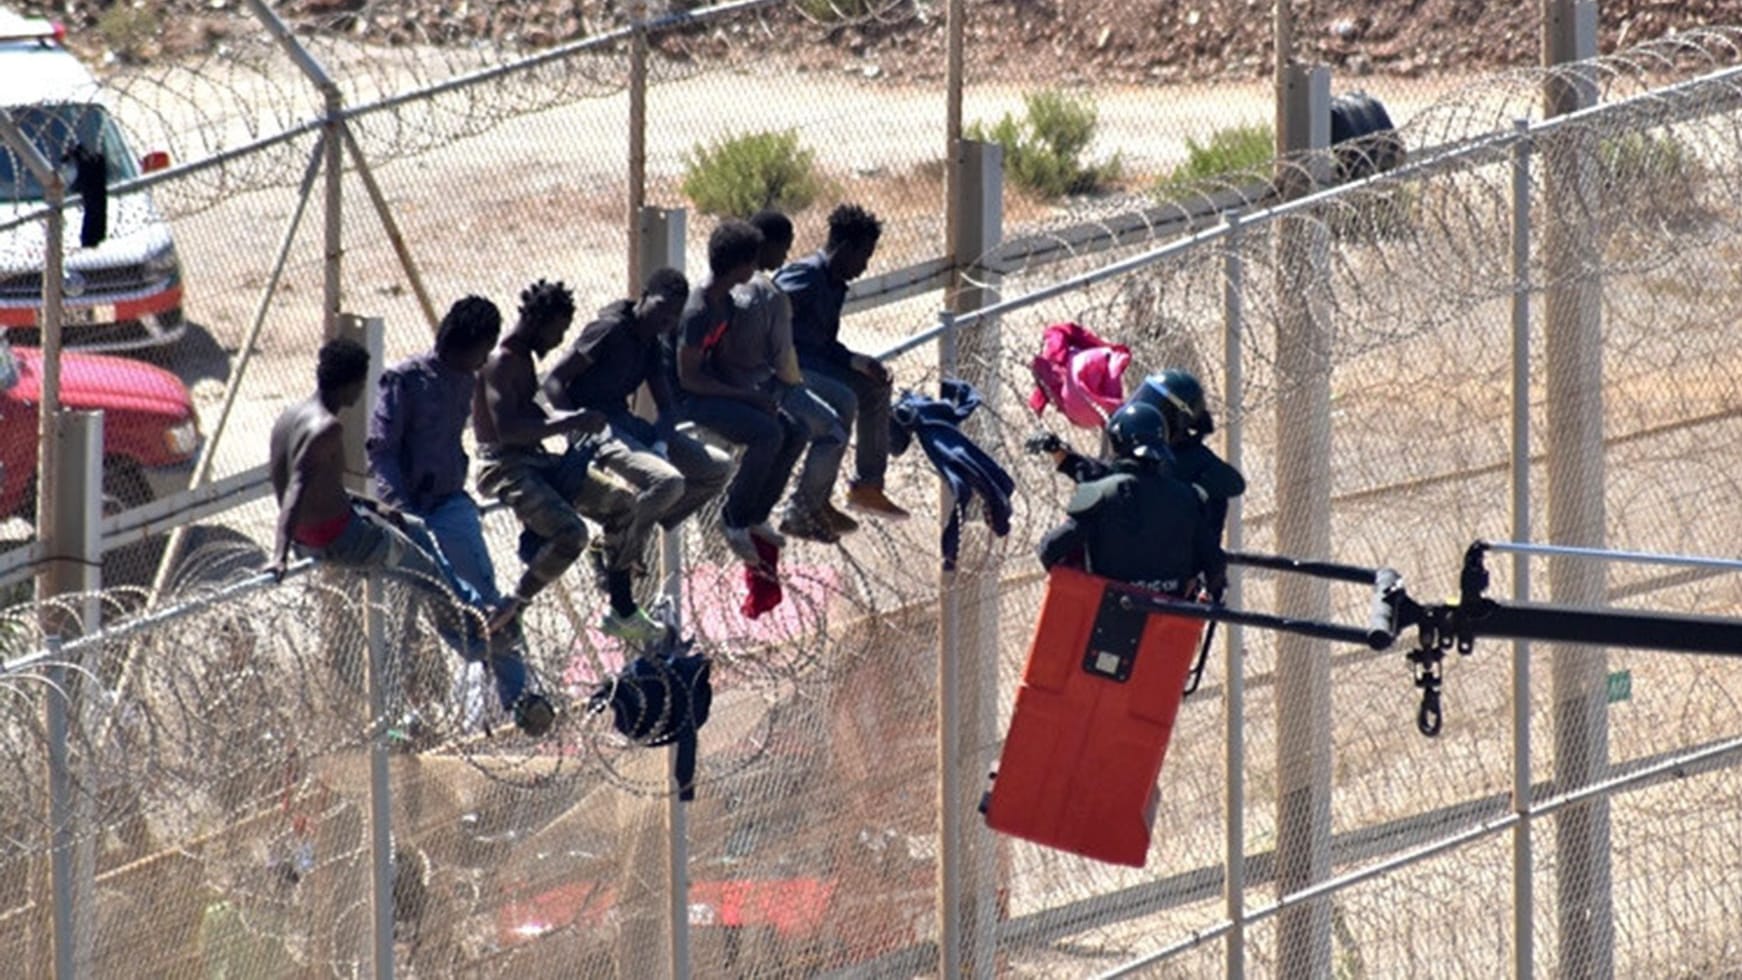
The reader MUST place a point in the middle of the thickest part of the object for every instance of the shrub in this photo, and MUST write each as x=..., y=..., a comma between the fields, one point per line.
x=1242, y=151
x=1043, y=152
x=740, y=175
x=131, y=33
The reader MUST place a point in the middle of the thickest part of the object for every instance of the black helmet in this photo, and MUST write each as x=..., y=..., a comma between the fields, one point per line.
x=1137, y=431
x=1180, y=399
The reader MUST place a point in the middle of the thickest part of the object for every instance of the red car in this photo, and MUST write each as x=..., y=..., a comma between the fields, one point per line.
x=150, y=432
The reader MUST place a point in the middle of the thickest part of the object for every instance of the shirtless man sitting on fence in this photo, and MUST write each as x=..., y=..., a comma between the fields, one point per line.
x=327, y=523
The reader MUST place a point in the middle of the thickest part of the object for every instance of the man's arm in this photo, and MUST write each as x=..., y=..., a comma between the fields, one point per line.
x=509, y=392
x=322, y=457
x=816, y=321
x=1062, y=544
x=1080, y=468
x=561, y=379
x=698, y=381
x=387, y=440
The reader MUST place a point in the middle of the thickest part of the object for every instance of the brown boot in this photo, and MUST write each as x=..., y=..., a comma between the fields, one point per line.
x=871, y=500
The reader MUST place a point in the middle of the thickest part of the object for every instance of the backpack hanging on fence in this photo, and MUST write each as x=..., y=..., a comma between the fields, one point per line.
x=662, y=698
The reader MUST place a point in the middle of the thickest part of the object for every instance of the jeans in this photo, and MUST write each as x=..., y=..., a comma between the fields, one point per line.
x=455, y=524
x=857, y=397
x=411, y=555
x=828, y=444
x=771, y=446
x=549, y=492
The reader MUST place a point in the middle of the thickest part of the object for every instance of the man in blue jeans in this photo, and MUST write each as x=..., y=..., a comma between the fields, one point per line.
x=746, y=414
x=417, y=458
x=327, y=523
x=857, y=386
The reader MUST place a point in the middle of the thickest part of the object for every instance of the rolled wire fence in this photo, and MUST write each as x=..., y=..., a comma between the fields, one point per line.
x=233, y=824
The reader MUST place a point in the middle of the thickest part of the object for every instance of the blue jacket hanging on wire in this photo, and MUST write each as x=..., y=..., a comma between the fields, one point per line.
x=968, y=470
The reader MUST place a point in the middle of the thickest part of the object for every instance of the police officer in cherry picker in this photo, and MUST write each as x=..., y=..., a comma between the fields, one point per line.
x=1180, y=399
x=1139, y=523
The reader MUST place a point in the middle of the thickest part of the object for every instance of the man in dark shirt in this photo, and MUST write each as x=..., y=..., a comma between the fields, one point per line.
x=671, y=474
x=420, y=465
x=747, y=414
x=328, y=524
x=547, y=491
x=856, y=386
x=1138, y=524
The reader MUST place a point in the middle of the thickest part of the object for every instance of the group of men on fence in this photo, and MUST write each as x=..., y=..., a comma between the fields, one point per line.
x=751, y=353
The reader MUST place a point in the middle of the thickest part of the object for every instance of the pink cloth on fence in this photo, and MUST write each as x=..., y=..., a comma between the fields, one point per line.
x=1080, y=373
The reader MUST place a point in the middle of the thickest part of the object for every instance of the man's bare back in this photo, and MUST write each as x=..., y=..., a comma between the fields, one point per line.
x=308, y=469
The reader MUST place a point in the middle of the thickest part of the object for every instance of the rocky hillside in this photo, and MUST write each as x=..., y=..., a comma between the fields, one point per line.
x=1109, y=40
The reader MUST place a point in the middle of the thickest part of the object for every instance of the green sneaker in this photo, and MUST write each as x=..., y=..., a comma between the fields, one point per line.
x=636, y=629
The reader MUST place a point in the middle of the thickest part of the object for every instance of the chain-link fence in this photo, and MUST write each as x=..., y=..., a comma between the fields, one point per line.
x=217, y=791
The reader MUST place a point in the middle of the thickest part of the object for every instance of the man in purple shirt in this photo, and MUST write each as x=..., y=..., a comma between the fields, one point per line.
x=420, y=467
x=857, y=386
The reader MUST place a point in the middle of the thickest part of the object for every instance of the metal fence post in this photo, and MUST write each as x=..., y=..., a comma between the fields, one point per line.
x=1573, y=355
x=976, y=594
x=950, y=815
x=1523, y=913
x=60, y=812
x=1304, y=748
x=637, y=146
x=371, y=333
x=1233, y=667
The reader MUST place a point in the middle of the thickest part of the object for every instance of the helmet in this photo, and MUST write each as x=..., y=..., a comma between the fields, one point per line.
x=1137, y=431
x=1180, y=398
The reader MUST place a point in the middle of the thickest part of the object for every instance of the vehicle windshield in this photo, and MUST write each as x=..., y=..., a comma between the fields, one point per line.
x=56, y=129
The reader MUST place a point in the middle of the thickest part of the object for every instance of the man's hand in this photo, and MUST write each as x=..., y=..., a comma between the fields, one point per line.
x=764, y=401
x=276, y=569
x=871, y=367
x=583, y=420
x=1044, y=442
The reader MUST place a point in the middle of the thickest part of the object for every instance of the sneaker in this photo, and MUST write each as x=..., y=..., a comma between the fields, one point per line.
x=534, y=714
x=842, y=523
x=738, y=539
x=767, y=533
x=870, y=499
x=809, y=525
x=637, y=628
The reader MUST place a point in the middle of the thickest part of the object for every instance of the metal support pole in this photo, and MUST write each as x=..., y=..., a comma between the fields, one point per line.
x=1233, y=667
x=60, y=809
x=637, y=144
x=1573, y=356
x=391, y=227
x=972, y=596
x=954, y=26
x=950, y=809
x=382, y=684
x=1523, y=911
x=660, y=243
x=1304, y=750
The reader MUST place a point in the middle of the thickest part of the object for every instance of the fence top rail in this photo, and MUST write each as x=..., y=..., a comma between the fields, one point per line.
x=1603, y=554
x=251, y=584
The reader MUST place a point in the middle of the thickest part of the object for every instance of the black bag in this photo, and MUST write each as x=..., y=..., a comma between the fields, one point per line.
x=662, y=699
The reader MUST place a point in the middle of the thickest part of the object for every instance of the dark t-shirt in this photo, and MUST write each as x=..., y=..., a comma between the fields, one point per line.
x=704, y=324
x=619, y=360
